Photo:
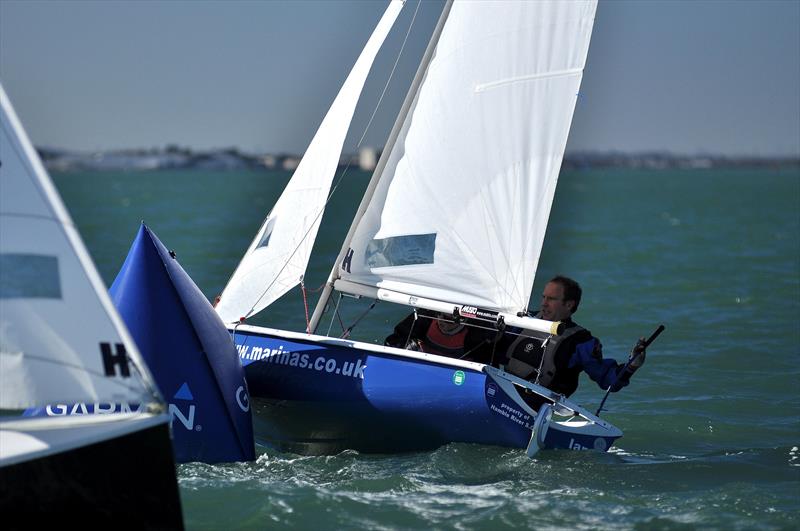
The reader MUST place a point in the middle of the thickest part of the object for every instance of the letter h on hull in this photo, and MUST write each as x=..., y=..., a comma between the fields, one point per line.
x=113, y=359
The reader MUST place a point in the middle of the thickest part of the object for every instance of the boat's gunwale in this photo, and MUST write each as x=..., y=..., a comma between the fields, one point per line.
x=349, y=343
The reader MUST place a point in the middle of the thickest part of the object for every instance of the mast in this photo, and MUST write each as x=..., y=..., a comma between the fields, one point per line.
x=378, y=173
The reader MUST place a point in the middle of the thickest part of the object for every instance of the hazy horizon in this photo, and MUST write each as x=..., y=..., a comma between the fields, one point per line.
x=702, y=78
x=243, y=152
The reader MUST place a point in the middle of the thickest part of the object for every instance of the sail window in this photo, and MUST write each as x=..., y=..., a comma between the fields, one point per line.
x=412, y=249
x=29, y=276
x=269, y=226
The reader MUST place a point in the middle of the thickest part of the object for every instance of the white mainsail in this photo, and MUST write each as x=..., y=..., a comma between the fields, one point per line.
x=460, y=210
x=61, y=340
x=277, y=258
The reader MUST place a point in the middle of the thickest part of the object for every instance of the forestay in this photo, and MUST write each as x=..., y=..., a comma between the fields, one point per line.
x=61, y=341
x=277, y=258
x=460, y=210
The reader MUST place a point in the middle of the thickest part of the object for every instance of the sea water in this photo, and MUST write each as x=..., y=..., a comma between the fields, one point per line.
x=711, y=422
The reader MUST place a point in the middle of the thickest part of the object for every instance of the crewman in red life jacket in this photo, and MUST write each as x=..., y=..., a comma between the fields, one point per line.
x=437, y=333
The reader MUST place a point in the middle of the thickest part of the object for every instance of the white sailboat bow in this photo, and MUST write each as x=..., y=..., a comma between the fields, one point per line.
x=61, y=340
x=461, y=198
x=277, y=258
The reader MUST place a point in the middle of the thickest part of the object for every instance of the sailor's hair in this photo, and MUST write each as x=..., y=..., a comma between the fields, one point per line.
x=572, y=290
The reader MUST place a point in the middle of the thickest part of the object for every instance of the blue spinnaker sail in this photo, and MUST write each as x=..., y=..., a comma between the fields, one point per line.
x=189, y=352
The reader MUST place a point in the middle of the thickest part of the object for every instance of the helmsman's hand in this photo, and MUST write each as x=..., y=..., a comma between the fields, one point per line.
x=638, y=355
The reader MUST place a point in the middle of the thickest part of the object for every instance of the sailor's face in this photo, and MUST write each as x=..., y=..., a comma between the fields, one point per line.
x=554, y=307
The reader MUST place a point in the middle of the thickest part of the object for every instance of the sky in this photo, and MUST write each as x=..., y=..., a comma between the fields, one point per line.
x=703, y=77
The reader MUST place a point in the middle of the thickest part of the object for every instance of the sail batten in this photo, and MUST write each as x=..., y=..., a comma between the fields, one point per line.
x=520, y=79
x=477, y=157
x=277, y=258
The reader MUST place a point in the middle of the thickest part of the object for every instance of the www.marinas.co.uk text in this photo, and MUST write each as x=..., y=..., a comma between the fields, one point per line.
x=301, y=361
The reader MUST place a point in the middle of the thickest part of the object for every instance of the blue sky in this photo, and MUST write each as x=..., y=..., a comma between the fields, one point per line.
x=687, y=77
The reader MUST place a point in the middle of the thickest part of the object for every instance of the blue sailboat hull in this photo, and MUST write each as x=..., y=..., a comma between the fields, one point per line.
x=319, y=395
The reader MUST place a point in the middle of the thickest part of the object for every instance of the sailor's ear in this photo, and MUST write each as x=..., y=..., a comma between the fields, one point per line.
x=570, y=305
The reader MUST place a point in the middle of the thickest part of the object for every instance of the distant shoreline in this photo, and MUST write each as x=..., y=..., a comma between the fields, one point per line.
x=176, y=158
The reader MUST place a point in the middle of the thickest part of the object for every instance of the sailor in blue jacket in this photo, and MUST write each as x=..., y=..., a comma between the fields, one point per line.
x=557, y=361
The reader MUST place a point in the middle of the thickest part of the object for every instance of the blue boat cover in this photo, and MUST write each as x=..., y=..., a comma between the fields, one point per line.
x=189, y=352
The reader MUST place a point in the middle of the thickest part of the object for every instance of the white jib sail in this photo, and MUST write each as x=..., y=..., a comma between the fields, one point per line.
x=460, y=211
x=277, y=258
x=61, y=340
